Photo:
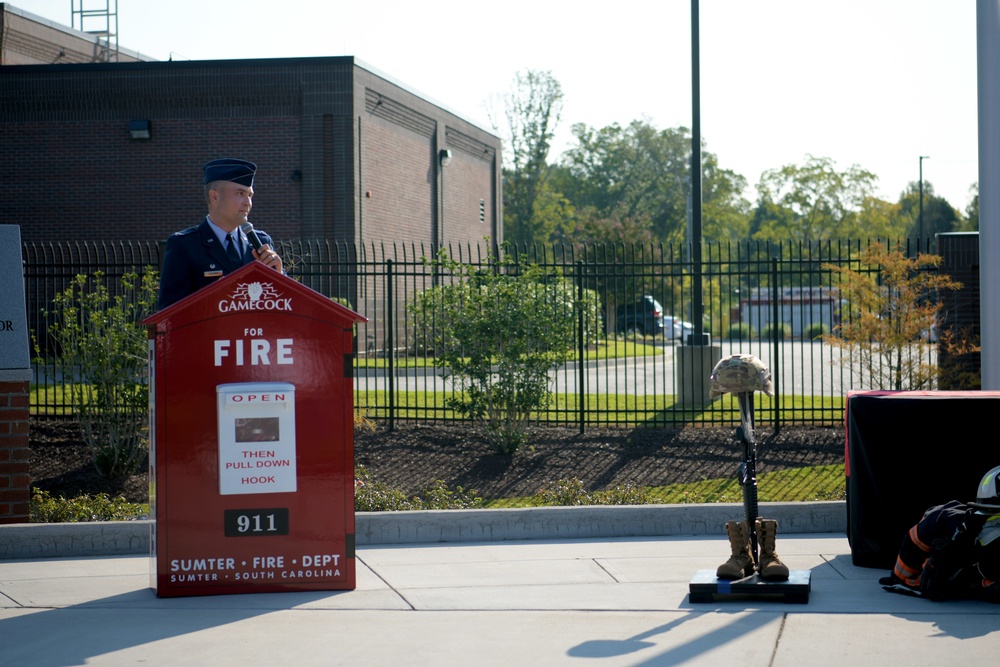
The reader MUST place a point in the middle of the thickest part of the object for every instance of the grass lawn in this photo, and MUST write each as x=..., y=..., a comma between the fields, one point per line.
x=623, y=409
x=799, y=485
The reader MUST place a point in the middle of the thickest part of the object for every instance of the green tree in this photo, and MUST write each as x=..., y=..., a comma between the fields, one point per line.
x=938, y=215
x=533, y=211
x=101, y=341
x=635, y=172
x=616, y=242
x=892, y=302
x=552, y=216
x=812, y=202
x=879, y=219
x=971, y=223
x=615, y=228
x=641, y=173
x=725, y=211
x=498, y=332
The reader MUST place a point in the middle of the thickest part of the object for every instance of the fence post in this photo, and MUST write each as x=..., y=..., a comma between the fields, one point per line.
x=581, y=349
x=775, y=328
x=390, y=343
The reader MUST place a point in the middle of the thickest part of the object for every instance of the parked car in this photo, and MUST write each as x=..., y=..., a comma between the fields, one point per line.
x=677, y=329
x=642, y=317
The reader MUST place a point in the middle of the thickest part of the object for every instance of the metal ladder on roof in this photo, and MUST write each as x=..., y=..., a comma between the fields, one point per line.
x=98, y=18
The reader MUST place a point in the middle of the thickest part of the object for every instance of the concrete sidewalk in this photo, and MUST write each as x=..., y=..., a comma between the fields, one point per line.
x=596, y=601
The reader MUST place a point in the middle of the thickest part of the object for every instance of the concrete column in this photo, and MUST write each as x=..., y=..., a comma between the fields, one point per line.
x=988, y=49
x=694, y=366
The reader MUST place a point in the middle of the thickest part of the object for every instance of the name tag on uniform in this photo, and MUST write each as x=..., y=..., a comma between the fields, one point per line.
x=213, y=274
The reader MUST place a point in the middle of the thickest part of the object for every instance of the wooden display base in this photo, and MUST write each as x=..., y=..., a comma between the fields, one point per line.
x=706, y=587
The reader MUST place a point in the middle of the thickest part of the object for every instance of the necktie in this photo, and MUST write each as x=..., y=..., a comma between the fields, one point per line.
x=233, y=250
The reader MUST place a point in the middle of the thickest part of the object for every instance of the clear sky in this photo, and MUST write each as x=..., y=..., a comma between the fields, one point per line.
x=876, y=83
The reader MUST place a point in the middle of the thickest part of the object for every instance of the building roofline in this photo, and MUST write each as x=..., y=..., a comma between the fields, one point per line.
x=413, y=91
x=157, y=65
x=11, y=9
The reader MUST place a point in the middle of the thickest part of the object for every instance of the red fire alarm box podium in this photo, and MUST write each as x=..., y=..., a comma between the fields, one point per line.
x=251, y=439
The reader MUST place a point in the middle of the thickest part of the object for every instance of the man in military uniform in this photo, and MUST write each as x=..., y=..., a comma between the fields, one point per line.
x=200, y=255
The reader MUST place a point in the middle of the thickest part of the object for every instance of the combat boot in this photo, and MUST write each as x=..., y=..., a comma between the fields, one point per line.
x=771, y=566
x=740, y=564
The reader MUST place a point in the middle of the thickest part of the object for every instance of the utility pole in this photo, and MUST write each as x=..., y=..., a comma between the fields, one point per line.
x=920, y=218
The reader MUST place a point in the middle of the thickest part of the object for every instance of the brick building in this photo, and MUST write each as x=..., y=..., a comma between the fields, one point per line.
x=27, y=39
x=113, y=150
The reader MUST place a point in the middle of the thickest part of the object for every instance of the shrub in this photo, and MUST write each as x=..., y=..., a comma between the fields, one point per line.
x=816, y=331
x=780, y=331
x=564, y=492
x=959, y=353
x=570, y=492
x=44, y=508
x=740, y=331
x=498, y=332
x=346, y=303
x=373, y=496
x=440, y=497
x=628, y=494
x=102, y=343
x=362, y=422
x=889, y=307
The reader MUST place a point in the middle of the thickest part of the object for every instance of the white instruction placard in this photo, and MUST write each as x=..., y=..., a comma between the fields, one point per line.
x=256, y=438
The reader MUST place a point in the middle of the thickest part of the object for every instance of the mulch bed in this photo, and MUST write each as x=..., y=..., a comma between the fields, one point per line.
x=413, y=456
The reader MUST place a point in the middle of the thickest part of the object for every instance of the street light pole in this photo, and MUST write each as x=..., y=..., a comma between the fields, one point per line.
x=920, y=219
x=697, y=307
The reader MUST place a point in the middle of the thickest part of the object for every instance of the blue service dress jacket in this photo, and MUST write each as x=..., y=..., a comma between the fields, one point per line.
x=194, y=259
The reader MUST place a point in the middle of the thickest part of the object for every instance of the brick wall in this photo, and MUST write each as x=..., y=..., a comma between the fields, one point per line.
x=14, y=469
x=398, y=178
x=469, y=192
x=325, y=133
x=343, y=153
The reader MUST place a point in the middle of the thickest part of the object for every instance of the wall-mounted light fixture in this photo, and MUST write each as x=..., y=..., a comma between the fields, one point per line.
x=139, y=129
x=444, y=157
x=297, y=176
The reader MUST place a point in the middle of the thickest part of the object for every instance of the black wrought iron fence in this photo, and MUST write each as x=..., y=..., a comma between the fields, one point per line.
x=633, y=364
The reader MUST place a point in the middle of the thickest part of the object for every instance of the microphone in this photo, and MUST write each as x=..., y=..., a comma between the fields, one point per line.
x=248, y=229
